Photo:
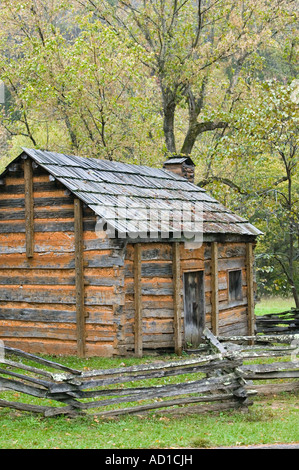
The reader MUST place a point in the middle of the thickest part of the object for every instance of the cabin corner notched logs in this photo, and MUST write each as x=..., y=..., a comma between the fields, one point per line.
x=65, y=288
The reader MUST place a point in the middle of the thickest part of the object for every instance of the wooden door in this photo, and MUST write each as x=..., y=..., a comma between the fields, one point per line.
x=194, y=307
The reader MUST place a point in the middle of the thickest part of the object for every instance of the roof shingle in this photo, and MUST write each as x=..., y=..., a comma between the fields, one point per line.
x=122, y=193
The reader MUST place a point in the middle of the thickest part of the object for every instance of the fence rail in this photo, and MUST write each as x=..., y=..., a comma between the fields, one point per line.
x=210, y=381
x=264, y=347
x=278, y=323
x=213, y=380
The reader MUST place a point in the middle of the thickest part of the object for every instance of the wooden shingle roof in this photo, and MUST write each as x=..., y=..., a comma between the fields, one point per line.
x=121, y=193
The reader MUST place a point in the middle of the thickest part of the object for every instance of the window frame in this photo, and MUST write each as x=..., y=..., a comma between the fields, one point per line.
x=238, y=296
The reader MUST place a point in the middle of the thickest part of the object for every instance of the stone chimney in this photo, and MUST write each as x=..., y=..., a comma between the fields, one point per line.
x=182, y=166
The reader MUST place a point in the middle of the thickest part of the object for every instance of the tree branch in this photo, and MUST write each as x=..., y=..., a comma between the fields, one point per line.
x=237, y=188
x=198, y=128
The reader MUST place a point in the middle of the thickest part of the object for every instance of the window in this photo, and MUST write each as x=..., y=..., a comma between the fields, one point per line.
x=235, y=285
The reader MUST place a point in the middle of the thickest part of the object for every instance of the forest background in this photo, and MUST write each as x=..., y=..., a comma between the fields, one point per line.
x=138, y=81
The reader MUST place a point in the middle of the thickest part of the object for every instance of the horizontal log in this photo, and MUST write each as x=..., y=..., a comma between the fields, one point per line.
x=61, y=213
x=150, y=305
x=44, y=242
x=147, y=393
x=39, y=294
x=37, y=315
x=273, y=389
x=57, y=261
x=151, y=251
x=40, y=360
x=44, y=346
x=37, y=280
x=45, y=226
x=237, y=329
x=99, y=244
x=94, y=259
x=46, y=331
x=28, y=278
x=233, y=315
x=272, y=375
x=18, y=188
x=287, y=339
x=146, y=375
x=278, y=329
x=45, y=312
x=231, y=263
x=20, y=386
x=175, y=402
x=201, y=253
x=151, y=270
x=228, y=305
x=273, y=367
x=212, y=407
x=60, y=295
x=38, y=202
x=148, y=313
x=157, y=288
x=275, y=321
x=232, y=250
x=32, y=408
x=21, y=366
x=149, y=367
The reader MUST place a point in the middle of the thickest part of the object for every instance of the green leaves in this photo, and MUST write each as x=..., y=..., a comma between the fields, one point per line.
x=71, y=70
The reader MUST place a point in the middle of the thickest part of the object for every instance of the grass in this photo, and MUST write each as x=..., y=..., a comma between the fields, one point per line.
x=273, y=420
x=273, y=305
x=270, y=420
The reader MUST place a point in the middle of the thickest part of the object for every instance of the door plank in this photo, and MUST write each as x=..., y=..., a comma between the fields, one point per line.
x=194, y=307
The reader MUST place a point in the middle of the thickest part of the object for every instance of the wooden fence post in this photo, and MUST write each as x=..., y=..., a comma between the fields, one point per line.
x=177, y=299
x=29, y=216
x=250, y=287
x=79, y=275
x=214, y=288
x=137, y=300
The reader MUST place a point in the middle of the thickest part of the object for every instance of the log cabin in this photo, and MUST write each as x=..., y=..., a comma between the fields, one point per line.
x=85, y=271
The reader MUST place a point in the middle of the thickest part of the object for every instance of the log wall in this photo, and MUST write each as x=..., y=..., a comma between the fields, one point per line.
x=38, y=293
x=157, y=291
x=156, y=296
x=233, y=315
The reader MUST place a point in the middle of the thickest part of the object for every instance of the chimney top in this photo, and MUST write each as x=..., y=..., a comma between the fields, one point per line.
x=182, y=166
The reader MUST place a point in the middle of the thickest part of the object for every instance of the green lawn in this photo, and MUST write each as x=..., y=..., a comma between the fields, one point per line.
x=269, y=420
x=274, y=420
x=273, y=305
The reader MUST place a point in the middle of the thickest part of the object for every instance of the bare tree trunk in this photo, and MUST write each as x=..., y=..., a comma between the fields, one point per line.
x=169, y=106
x=197, y=128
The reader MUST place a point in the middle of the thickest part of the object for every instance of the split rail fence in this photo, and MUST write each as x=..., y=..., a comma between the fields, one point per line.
x=278, y=323
x=206, y=382
x=263, y=347
x=211, y=381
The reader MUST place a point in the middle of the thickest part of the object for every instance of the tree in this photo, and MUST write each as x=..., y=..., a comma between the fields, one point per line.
x=259, y=165
x=69, y=73
x=198, y=49
x=275, y=126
